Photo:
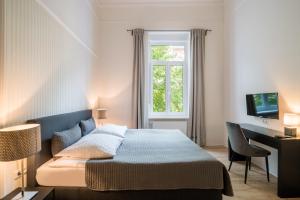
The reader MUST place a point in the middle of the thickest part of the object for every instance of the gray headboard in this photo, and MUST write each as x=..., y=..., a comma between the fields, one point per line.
x=49, y=125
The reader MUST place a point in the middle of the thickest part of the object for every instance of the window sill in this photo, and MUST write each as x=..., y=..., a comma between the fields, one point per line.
x=167, y=117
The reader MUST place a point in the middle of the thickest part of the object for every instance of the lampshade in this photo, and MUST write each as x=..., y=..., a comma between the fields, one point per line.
x=18, y=142
x=290, y=119
x=101, y=113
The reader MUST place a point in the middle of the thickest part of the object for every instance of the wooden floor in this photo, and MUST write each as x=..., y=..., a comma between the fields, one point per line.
x=257, y=187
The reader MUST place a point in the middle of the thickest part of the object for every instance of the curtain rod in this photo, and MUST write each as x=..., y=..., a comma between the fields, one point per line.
x=130, y=30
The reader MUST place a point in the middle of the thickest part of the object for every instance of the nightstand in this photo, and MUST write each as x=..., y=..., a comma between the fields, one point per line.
x=44, y=193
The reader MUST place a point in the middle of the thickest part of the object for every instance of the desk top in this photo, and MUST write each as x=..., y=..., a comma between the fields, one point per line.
x=261, y=130
x=266, y=131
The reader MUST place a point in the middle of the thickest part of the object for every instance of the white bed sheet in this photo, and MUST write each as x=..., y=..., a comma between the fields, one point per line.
x=70, y=173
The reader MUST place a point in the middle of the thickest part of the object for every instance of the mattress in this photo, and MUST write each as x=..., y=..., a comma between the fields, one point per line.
x=62, y=172
x=146, y=160
x=152, y=159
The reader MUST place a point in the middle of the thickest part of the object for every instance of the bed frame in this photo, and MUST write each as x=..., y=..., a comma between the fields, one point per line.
x=62, y=122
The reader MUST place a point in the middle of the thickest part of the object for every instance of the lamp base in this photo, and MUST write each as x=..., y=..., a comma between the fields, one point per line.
x=290, y=131
x=27, y=195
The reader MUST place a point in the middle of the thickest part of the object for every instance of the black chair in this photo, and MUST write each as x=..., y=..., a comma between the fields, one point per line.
x=240, y=145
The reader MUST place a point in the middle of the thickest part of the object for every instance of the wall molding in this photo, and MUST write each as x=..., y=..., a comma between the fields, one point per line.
x=239, y=5
x=126, y=3
x=191, y=23
x=92, y=4
x=56, y=18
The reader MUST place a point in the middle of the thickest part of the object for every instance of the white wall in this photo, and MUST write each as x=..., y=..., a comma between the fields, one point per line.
x=116, y=57
x=262, y=46
x=48, y=64
x=1, y=80
x=77, y=16
x=167, y=124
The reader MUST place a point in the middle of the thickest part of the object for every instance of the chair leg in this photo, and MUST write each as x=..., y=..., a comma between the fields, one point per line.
x=267, y=168
x=246, y=170
x=249, y=163
x=230, y=163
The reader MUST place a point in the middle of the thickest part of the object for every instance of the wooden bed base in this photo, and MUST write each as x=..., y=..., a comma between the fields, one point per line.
x=70, y=193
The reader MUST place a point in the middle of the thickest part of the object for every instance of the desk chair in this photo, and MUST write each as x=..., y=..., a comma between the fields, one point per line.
x=240, y=145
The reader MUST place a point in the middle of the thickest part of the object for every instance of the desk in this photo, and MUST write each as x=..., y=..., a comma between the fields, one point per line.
x=288, y=184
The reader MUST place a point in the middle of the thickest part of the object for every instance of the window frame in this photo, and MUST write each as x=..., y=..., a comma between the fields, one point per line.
x=168, y=65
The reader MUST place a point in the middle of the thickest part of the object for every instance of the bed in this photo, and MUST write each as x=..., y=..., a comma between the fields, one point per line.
x=173, y=168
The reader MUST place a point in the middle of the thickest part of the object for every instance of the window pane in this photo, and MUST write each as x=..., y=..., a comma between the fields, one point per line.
x=159, y=88
x=176, y=88
x=167, y=53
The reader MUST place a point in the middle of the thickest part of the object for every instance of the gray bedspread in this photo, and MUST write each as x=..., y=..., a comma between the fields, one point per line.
x=151, y=159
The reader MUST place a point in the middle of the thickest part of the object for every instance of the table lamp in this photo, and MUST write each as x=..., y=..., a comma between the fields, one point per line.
x=101, y=114
x=291, y=121
x=17, y=143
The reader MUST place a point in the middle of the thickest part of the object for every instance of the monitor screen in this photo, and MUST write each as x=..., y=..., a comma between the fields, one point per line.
x=263, y=105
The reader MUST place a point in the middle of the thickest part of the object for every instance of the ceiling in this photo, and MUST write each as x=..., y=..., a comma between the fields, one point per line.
x=154, y=2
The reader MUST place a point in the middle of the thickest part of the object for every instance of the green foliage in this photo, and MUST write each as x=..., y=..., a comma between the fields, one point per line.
x=162, y=53
x=159, y=88
x=271, y=100
x=258, y=100
x=176, y=89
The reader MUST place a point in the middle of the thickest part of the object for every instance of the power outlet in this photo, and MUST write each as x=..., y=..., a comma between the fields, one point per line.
x=265, y=121
x=151, y=124
x=18, y=174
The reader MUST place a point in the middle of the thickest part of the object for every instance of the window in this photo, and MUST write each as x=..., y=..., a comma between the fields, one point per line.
x=168, y=74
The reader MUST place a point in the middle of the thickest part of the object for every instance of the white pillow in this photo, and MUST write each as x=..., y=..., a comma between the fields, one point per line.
x=93, y=146
x=112, y=129
x=68, y=163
